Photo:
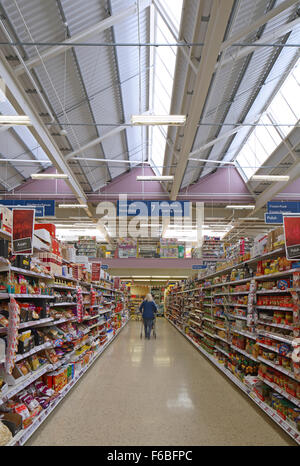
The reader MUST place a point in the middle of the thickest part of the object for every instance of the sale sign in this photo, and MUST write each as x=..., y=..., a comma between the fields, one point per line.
x=22, y=231
x=292, y=236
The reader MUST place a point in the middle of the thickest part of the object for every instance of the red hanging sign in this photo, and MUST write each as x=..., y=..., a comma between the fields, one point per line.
x=22, y=231
x=96, y=267
x=292, y=236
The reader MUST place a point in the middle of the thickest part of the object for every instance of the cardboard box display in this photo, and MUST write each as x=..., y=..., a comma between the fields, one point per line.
x=47, y=226
x=6, y=219
x=55, y=249
x=43, y=235
x=278, y=235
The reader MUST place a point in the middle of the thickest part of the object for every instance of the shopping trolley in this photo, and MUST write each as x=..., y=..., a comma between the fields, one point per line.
x=153, y=330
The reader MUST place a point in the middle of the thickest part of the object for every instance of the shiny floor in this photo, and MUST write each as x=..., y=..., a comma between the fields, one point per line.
x=159, y=392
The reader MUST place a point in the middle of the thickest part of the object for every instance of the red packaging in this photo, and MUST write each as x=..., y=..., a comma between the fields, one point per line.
x=46, y=226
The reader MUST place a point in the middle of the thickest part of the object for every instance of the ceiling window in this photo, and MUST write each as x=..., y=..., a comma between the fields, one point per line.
x=283, y=113
x=164, y=59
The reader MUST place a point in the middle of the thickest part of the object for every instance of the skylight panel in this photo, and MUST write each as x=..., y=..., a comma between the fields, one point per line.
x=283, y=113
x=163, y=74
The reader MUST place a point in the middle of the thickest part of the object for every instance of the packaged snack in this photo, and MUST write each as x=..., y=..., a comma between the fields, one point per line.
x=31, y=403
x=23, y=367
x=43, y=389
x=3, y=321
x=34, y=362
x=5, y=434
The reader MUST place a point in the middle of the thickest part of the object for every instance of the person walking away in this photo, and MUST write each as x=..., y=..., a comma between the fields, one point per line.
x=148, y=309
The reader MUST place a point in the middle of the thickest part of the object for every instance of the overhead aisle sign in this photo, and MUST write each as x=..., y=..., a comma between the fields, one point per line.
x=43, y=208
x=276, y=210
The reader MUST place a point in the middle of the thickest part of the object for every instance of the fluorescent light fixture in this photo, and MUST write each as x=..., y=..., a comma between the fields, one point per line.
x=240, y=207
x=155, y=178
x=170, y=120
x=269, y=178
x=49, y=176
x=71, y=206
x=14, y=120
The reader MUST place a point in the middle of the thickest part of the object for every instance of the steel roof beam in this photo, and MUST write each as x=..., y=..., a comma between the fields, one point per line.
x=258, y=23
x=165, y=17
x=17, y=96
x=82, y=36
x=217, y=24
x=244, y=51
x=293, y=172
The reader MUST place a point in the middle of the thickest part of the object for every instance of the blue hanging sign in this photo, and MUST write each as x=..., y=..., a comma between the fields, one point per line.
x=273, y=218
x=280, y=207
x=43, y=208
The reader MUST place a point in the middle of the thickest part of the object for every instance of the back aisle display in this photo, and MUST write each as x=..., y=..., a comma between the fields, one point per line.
x=244, y=317
x=54, y=323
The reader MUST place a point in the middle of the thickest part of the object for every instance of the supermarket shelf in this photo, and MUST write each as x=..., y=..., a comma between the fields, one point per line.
x=276, y=308
x=275, y=387
x=22, y=437
x=63, y=277
x=237, y=305
x=269, y=411
x=34, y=350
x=32, y=323
x=278, y=368
x=195, y=331
x=221, y=350
x=288, y=290
x=207, y=333
x=272, y=348
x=5, y=235
x=223, y=339
x=234, y=316
x=27, y=296
x=286, y=327
x=245, y=333
x=27, y=380
x=208, y=319
x=62, y=304
x=196, y=323
x=29, y=273
x=62, y=287
x=282, y=338
x=220, y=328
x=275, y=275
x=239, y=350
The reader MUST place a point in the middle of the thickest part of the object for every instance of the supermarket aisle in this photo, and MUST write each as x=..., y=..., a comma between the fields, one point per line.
x=157, y=392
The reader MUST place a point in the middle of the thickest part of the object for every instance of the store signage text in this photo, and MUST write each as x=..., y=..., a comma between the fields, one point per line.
x=148, y=218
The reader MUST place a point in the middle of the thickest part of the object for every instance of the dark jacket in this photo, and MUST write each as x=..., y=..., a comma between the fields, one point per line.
x=149, y=309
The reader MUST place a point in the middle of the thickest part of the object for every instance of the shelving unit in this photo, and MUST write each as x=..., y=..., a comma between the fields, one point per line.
x=242, y=337
x=103, y=314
